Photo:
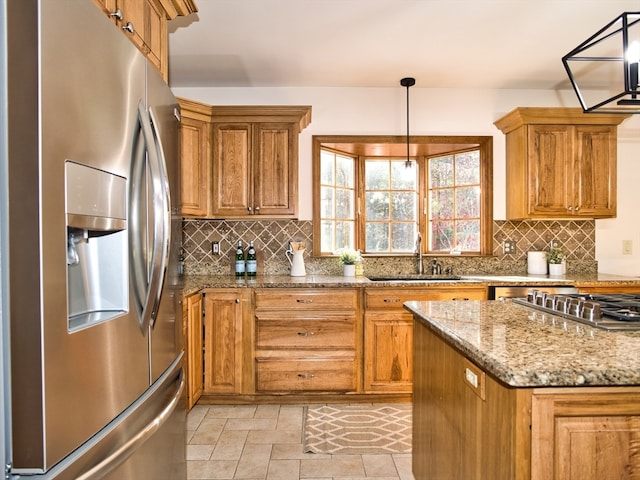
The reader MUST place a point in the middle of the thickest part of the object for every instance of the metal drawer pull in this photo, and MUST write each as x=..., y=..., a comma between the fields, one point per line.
x=306, y=375
x=304, y=300
x=306, y=334
x=117, y=14
x=129, y=27
x=391, y=300
x=456, y=299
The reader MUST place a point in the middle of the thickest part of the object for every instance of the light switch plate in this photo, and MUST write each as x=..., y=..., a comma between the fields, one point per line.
x=215, y=248
x=627, y=247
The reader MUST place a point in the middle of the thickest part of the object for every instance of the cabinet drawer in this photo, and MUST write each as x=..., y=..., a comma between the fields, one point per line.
x=325, y=331
x=306, y=299
x=393, y=298
x=305, y=375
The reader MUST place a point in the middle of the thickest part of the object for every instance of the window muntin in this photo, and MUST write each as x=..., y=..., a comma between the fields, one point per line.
x=337, y=201
x=391, y=206
x=453, y=217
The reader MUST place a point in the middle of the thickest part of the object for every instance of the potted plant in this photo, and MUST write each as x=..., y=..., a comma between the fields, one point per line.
x=348, y=258
x=555, y=259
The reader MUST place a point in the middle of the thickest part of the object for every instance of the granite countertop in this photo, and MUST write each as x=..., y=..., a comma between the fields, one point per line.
x=523, y=347
x=194, y=283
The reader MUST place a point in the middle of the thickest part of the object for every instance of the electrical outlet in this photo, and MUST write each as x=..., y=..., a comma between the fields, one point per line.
x=509, y=247
x=215, y=248
x=627, y=247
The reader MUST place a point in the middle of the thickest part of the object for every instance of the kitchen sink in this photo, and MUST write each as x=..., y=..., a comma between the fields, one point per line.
x=415, y=278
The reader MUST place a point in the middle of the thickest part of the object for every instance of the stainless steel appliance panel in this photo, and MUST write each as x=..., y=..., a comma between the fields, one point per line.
x=166, y=329
x=75, y=83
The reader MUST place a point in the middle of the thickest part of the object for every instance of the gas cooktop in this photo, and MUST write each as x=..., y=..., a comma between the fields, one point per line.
x=608, y=312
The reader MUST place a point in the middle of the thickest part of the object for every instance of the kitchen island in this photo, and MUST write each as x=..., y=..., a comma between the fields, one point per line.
x=506, y=392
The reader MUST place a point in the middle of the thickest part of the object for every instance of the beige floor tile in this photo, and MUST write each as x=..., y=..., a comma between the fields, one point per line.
x=207, y=470
x=290, y=418
x=230, y=445
x=195, y=416
x=290, y=451
x=379, y=466
x=403, y=465
x=231, y=411
x=208, y=431
x=275, y=436
x=251, y=423
x=254, y=462
x=199, y=452
x=284, y=470
x=267, y=411
x=334, y=466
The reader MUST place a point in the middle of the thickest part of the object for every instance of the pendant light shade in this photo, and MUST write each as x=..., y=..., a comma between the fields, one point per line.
x=408, y=82
x=603, y=69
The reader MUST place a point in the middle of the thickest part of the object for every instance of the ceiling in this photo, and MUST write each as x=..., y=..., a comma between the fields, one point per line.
x=503, y=44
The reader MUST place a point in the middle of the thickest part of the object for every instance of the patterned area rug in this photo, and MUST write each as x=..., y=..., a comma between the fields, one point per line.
x=357, y=429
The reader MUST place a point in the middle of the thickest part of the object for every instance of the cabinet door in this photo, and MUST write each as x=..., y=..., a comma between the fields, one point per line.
x=223, y=342
x=549, y=175
x=194, y=354
x=133, y=21
x=275, y=174
x=156, y=37
x=232, y=195
x=194, y=167
x=388, y=359
x=585, y=435
x=594, y=171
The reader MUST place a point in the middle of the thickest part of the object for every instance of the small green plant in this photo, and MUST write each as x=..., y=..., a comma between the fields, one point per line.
x=555, y=255
x=348, y=256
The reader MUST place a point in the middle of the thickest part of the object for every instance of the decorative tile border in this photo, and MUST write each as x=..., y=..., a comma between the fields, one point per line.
x=271, y=238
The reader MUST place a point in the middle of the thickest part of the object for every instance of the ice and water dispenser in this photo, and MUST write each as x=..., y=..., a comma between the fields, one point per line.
x=97, y=253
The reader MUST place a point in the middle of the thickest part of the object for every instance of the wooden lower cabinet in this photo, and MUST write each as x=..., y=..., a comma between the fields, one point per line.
x=388, y=333
x=466, y=424
x=223, y=341
x=306, y=340
x=193, y=333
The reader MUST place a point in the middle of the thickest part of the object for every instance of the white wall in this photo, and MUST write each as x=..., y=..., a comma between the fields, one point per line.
x=382, y=111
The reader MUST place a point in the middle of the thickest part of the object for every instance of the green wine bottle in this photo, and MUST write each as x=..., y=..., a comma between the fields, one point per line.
x=252, y=261
x=240, y=266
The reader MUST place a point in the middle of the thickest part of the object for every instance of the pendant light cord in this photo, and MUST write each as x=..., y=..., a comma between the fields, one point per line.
x=408, y=82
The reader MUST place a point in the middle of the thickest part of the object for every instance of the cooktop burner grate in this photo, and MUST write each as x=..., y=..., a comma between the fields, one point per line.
x=608, y=312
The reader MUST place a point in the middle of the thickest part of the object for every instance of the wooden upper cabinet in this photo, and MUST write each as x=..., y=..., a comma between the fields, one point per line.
x=145, y=23
x=195, y=167
x=255, y=169
x=561, y=163
x=253, y=160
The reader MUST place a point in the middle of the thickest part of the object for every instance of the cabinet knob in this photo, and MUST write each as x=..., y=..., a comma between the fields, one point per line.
x=570, y=208
x=237, y=300
x=129, y=27
x=117, y=14
x=577, y=208
x=257, y=209
x=250, y=209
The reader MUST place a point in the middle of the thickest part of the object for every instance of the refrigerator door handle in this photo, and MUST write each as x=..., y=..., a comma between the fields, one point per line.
x=165, y=219
x=133, y=443
x=148, y=209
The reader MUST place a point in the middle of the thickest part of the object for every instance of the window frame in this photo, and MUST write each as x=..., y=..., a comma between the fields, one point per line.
x=390, y=147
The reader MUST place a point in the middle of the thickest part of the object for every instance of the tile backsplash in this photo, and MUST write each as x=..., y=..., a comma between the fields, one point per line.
x=271, y=237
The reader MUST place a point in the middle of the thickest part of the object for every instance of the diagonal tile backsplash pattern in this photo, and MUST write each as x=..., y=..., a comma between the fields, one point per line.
x=271, y=239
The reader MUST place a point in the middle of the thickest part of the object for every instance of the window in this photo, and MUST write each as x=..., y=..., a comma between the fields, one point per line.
x=365, y=197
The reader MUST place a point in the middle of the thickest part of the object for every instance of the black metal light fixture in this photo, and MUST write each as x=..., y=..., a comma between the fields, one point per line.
x=604, y=68
x=408, y=82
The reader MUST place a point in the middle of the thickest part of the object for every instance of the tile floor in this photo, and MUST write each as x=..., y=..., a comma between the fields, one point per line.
x=264, y=442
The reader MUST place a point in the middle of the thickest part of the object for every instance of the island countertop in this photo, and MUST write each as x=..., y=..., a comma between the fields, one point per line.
x=523, y=347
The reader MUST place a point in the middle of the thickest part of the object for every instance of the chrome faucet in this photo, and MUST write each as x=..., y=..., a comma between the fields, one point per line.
x=419, y=253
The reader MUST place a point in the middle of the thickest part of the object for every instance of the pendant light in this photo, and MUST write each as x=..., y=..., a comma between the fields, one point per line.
x=408, y=82
x=603, y=69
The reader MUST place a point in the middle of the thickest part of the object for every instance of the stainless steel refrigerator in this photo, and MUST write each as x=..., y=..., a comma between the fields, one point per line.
x=92, y=341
